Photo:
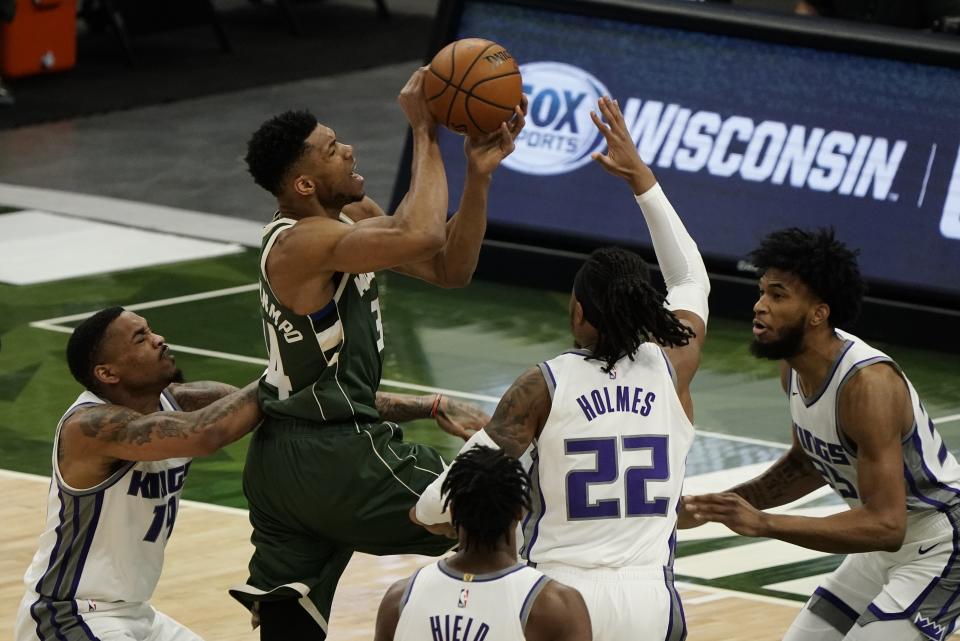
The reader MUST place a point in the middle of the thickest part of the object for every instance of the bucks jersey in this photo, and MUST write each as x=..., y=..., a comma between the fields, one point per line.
x=324, y=366
x=443, y=604
x=608, y=465
x=105, y=543
x=931, y=473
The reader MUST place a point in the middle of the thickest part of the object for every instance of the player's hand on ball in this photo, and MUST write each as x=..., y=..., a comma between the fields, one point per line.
x=413, y=103
x=729, y=509
x=486, y=152
x=459, y=418
x=622, y=158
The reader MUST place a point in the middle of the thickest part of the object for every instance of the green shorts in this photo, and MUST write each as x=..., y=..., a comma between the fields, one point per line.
x=319, y=493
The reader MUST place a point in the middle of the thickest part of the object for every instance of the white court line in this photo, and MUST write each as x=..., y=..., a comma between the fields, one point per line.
x=55, y=325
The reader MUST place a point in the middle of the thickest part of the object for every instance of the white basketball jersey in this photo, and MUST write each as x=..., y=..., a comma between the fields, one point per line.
x=106, y=543
x=931, y=473
x=442, y=604
x=608, y=466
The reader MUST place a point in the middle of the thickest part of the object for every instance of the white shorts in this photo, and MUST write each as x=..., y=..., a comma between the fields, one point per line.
x=80, y=620
x=919, y=583
x=625, y=602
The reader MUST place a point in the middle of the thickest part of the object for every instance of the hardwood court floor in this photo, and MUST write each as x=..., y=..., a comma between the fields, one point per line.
x=209, y=552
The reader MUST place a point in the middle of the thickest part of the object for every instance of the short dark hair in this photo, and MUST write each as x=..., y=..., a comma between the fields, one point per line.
x=83, y=348
x=824, y=264
x=276, y=146
x=486, y=491
x=613, y=287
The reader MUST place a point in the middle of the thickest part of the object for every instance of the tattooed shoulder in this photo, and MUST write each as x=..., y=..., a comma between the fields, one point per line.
x=101, y=420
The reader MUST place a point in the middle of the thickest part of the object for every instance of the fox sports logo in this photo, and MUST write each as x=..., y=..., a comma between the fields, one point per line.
x=559, y=136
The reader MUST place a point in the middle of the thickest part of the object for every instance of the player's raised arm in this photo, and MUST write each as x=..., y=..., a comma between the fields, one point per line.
x=680, y=262
x=117, y=432
x=320, y=180
x=454, y=265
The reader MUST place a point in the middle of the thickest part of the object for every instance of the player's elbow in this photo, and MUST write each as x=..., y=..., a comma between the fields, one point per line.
x=456, y=279
x=891, y=530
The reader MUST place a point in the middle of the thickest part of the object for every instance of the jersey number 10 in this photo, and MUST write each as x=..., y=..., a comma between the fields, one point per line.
x=607, y=471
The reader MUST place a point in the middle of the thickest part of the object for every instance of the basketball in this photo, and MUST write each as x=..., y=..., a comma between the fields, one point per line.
x=472, y=86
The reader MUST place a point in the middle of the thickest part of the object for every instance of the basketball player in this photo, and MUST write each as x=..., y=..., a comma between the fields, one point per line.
x=610, y=422
x=121, y=454
x=329, y=472
x=858, y=426
x=481, y=591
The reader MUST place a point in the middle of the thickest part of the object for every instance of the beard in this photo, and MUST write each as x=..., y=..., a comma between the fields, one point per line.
x=788, y=345
x=177, y=376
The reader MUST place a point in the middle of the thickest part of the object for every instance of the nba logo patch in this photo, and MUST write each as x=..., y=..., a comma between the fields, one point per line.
x=613, y=373
x=464, y=595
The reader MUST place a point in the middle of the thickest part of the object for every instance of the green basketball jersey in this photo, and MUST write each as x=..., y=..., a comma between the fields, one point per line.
x=325, y=366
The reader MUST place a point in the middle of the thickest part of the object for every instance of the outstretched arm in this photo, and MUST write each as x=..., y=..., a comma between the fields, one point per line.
x=454, y=417
x=454, y=265
x=197, y=395
x=683, y=270
x=518, y=419
x=119, y=433
x=874, y=413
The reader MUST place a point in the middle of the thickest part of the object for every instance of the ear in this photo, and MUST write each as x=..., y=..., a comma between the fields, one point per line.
x=105, y=374
x=304, y=186
x=578, y=318
x=820, y=314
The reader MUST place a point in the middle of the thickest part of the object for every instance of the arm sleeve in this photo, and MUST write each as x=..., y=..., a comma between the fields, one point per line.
x=683, y=270
x=430, y=504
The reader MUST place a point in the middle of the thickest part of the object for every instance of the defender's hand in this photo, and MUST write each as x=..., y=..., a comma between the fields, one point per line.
x=686, y=520
x=730, y=509
x=622, y=158
x=459, y=418
x=485, y=153
x=414, y=103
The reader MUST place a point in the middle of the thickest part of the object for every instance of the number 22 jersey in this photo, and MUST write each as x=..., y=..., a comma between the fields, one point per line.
x=609, y=463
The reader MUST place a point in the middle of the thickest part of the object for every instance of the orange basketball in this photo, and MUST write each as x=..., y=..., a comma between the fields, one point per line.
x=472, y=86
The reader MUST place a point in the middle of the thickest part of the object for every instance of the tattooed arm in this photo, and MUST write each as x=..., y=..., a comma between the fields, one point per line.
x=521, y=413
x=195, y=396
x=454, y=417
x=518, y=420
x=790, y=478
x=114, y=432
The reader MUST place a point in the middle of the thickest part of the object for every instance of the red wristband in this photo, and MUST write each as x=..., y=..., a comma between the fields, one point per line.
x=436, y=406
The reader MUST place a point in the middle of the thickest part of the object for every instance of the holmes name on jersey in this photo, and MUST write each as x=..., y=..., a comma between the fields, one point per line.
x=622, y=398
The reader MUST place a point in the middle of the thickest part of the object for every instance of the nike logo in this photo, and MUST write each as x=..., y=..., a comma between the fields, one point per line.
x=922, y=551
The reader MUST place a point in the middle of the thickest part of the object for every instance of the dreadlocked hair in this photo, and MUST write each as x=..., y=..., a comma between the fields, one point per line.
x=824, y=264
x=486, y=491
x=624, y=307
